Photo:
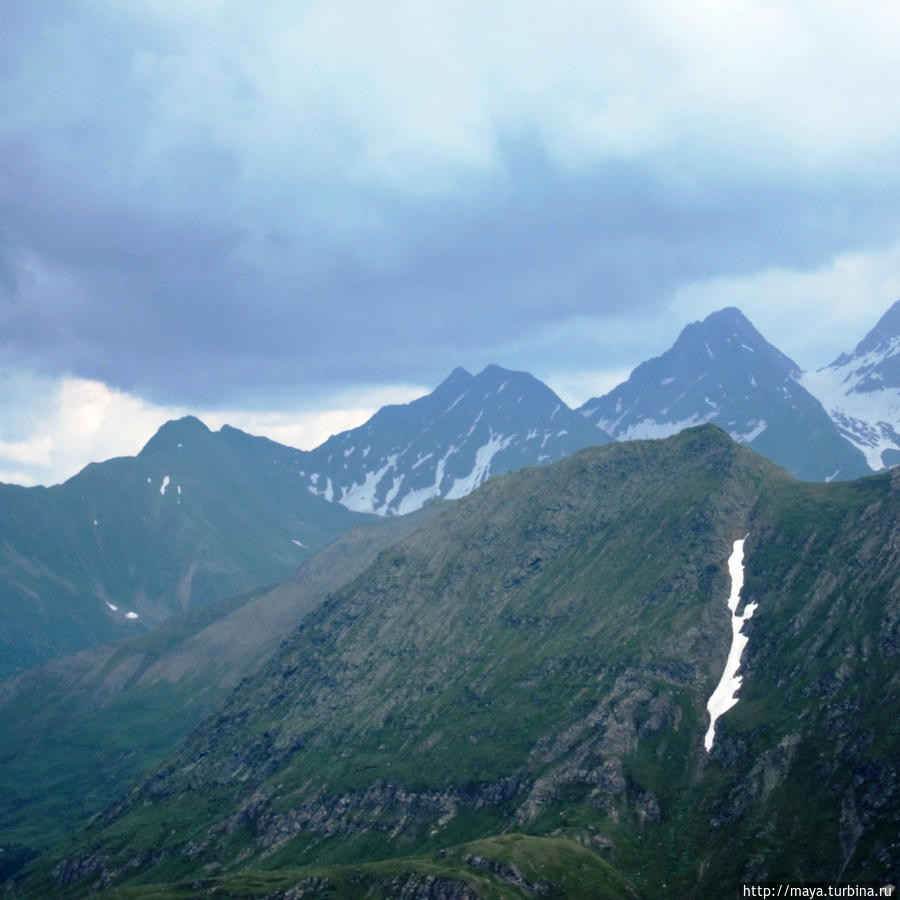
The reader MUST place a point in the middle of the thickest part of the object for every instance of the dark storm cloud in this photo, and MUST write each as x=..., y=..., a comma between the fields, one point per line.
x=195, y=214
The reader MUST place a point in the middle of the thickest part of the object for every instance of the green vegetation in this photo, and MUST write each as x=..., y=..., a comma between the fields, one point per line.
x=80, y=730
x=511, y=700
x=226, y=522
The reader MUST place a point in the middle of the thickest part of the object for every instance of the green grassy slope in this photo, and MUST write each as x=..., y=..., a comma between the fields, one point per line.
x=232, y=516
x=78, y=730
x=536, y=661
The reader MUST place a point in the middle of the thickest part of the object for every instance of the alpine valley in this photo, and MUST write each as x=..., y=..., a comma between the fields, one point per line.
x=467, y=649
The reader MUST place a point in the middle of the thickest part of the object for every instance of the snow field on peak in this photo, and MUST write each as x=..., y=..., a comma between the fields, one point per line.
x=650, y=429
x=361, y=497
x=868, y=419
x=482, y=467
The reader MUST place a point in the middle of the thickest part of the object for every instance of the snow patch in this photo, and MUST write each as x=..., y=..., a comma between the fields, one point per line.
x=131, y=615
x=299, y=543
x=421, y=459
x=755, y=428
x=417, y=499
x=112, y=606
x=361, y=497
x=724, y=696
x=870, y=420
x=164, y=485
x=389, y=497
x=463, y=394
x=650, y=429
x=482, y=467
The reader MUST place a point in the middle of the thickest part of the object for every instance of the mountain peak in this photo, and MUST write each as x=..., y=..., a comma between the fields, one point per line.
x=174, y=433
x=730, y=316
x=861, y=391
x=884, y=338
x=722, y=370
x=447, y=443
x=889, y=323
x=458, y=375
x=495, y=373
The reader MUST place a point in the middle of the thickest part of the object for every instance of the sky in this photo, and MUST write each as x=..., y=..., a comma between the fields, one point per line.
x=283, y=215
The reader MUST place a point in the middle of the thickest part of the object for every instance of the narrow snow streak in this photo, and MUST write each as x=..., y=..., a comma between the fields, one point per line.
x=723, y=697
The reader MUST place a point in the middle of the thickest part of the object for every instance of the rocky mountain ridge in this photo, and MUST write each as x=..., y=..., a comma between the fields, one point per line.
x=447, y=443
x=861, y=392
x=722, y=370
x=533, y=665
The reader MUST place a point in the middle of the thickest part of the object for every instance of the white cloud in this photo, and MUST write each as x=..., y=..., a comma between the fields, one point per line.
x=306, y=428
x=576, y=388
x=83, y=421
x=409, y=95
x=87, y=421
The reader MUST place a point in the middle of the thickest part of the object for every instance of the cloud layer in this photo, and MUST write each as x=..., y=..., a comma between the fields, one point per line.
x=211, y=204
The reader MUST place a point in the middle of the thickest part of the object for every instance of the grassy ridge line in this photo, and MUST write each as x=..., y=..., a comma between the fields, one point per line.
x=505, y=867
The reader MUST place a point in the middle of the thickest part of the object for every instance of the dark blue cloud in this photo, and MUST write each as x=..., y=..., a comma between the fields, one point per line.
x=164, y=255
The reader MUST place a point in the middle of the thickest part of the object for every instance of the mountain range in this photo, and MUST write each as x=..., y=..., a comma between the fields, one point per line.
x=485, y=668
x=80, y=727
x=511, y=701
x=199, y=515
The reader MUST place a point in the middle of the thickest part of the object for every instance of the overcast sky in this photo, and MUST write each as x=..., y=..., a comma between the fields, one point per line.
x=283, y=215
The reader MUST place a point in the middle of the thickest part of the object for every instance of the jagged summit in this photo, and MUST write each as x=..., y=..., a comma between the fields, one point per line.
x=883, y=338
x=447, y=443
x=723, y=370
x=175, y=433
x=861, y=392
